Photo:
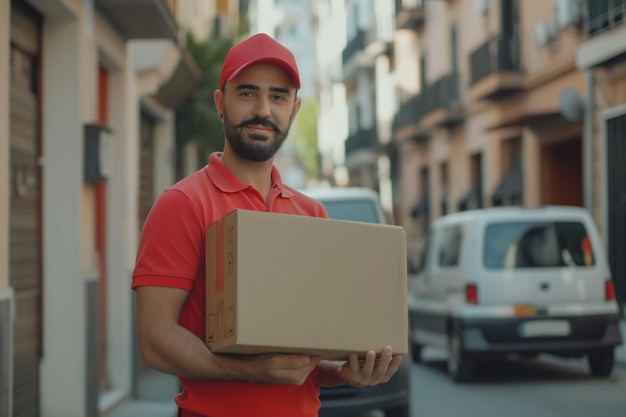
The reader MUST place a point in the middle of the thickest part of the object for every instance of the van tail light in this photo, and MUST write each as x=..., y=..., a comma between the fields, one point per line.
x=609, y=290
x=471, y=294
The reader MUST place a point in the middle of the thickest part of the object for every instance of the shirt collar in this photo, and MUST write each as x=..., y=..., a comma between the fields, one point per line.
x=225, y=180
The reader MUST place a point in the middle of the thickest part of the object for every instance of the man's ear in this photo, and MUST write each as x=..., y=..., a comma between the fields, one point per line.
x=296, y=107
x=218, y=97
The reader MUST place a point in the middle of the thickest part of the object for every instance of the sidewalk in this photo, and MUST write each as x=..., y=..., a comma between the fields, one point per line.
x=144, y=408
x=155, y=397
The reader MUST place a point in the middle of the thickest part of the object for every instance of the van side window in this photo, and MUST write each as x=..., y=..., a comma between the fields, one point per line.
x=450, y=247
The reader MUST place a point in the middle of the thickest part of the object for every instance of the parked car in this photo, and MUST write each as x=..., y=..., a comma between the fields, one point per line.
x=506, y=280
x=362, y=204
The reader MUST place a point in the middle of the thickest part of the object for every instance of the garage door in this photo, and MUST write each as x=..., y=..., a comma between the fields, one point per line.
x=25, y=208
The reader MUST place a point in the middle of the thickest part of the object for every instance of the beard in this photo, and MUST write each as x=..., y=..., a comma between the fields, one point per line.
x=254, y=147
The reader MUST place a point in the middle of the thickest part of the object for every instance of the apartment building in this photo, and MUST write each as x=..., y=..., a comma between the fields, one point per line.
x=332, y=125
x=370, y=94
x=87, y=94
x=602, y=57
x=492, y=107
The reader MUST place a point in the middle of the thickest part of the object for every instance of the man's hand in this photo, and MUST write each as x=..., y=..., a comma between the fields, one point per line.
x=362, y=373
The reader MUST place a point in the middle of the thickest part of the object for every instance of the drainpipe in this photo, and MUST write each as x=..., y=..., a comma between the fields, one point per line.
x=588, y=147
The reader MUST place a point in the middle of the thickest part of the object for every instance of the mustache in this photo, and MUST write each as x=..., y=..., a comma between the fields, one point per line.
x=259, y=122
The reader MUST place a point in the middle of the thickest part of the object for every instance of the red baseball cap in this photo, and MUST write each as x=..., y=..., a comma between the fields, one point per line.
x=255, y=49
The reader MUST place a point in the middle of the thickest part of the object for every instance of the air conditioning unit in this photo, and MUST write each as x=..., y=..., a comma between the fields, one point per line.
x=98, y=158
x=544, y=34
x=568, y=13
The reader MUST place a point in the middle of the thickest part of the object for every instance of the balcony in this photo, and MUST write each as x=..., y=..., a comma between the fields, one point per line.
x=354, y=46
x=438, y=105
x=140, y=19
x=378, y=39
x=409, y=113
x=406, y=123
x=354, y=56
x=495, y=68
x=441, y=103
x=604, y=15
x=410, y=14
x=606, y=31
x=362, y=139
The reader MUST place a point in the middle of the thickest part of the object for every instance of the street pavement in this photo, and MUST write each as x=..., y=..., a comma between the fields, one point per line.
x=166, y=407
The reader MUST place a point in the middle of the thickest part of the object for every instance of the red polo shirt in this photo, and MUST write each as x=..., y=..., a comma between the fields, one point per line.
x=171, y=254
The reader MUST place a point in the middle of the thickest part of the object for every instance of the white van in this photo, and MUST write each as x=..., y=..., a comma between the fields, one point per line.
x=514, y=280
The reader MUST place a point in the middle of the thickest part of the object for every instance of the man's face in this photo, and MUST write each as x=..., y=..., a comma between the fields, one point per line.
x=258, y=107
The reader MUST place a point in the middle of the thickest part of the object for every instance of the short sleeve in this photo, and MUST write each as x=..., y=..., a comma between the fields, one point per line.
x=171, y=244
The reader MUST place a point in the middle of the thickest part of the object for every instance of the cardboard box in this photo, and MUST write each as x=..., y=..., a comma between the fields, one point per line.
x=279, y=283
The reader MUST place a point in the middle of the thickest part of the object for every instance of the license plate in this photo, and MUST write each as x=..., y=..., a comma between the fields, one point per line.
x=538, y=328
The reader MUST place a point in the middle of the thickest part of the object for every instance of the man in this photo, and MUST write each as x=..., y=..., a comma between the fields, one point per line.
x=257, y=102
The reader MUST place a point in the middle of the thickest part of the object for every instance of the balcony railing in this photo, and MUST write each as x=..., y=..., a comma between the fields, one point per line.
x=363, y=139
x=498, y=54
x=355, y=45
x=410, y=112
x=410, y=14
x=443, y=93
x=604, y=15
x=379, y=35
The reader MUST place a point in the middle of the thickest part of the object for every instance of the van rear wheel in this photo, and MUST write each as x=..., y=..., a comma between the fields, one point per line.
x=601, y=361
x=460, y=366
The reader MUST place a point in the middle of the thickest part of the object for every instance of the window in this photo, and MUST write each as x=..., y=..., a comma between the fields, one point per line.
x=450, y=246
x=353, y=210
x=514, y=245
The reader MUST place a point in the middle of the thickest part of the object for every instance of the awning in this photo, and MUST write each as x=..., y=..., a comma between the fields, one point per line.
x=471, y=199
x=511, y=187
x=421, y=207
x=140, y=19
x=184, y=80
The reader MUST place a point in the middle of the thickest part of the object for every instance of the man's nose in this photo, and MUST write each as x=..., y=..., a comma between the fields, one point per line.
x=262, y=108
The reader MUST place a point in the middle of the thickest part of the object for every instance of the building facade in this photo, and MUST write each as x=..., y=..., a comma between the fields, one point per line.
x=367, y=63
x=87, y=96
x=332, y=125
x=498, y=106
x=602, y=57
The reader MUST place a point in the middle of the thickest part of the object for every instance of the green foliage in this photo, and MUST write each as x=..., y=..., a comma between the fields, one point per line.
x=304, y=136
x=196, y=118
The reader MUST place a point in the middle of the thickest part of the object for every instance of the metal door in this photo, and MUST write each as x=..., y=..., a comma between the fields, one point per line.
x=616, y=151
x=25, y=255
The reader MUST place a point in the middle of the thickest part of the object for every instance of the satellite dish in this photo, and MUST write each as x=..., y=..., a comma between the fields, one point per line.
x=572, y=105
